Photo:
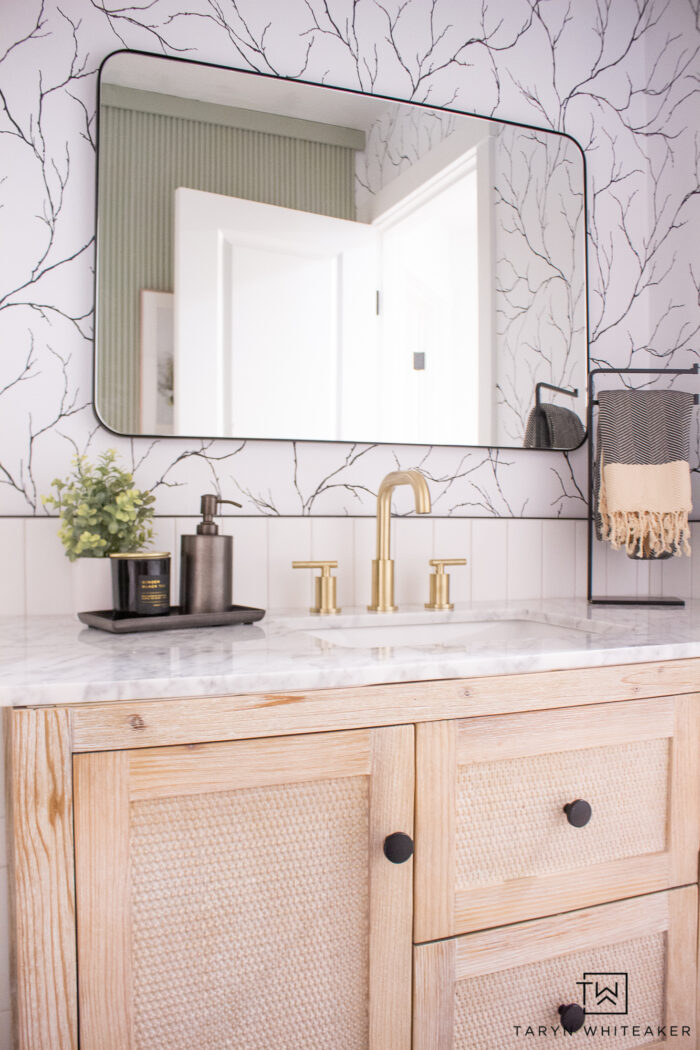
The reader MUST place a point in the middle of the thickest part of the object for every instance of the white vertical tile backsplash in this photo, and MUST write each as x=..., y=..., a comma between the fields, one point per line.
x=364, y=550
x=250, y=559
x=580, y=558
x=644, y=588
x=656, y=577
x=48, y=578
x=524, y=559
x=600, y=570
x=676, y=577
x=559, y=559
x=182, y=527
x=453, y=539
x=289, y=540
x=164, y=540
x=333, y=539
x=489, y=560
x=12, y=588
x=513, y=558
x=621, y=572
x=695, y=560
x=412, y=553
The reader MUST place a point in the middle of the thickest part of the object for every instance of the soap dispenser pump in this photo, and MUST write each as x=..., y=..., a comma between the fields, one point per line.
x=206, y=563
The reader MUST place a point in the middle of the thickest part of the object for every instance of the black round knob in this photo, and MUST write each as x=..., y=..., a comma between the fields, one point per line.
x=578, y=812
x=398, y=847
x=572, y=1017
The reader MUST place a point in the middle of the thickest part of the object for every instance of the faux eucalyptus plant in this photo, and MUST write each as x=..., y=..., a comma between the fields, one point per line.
x=101, y=510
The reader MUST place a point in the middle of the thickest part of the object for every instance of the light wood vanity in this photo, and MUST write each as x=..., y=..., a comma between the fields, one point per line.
x=211, y=872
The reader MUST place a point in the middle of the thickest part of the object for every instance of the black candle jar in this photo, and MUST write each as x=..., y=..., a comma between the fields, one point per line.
x=141, y=584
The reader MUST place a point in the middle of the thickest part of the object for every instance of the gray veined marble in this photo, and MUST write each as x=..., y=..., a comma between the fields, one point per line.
x=46, y=660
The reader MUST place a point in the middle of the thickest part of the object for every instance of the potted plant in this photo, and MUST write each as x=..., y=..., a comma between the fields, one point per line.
x=102, y=513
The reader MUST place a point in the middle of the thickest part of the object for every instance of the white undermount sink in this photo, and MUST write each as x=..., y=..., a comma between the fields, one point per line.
x=518, y=630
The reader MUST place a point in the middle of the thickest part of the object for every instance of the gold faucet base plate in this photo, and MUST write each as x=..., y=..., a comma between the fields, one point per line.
x=439, y=608
x=383, y=608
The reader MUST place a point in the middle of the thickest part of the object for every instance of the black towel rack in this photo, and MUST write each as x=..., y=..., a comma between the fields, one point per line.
x=569, y=391
x=592, y=402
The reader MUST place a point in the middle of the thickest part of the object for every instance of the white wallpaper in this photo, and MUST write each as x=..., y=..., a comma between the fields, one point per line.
x=394, y=143
x=620, y=76
x=540, y=293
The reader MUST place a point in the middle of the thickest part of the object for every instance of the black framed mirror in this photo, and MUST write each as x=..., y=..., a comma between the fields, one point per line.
x=282, y=260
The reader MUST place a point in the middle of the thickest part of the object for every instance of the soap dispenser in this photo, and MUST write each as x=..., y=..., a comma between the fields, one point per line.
x=206, y=563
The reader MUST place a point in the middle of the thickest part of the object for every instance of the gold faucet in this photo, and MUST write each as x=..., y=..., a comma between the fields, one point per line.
x=383, y=565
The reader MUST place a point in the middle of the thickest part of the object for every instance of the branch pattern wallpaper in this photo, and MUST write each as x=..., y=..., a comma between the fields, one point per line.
x=540, y=281
x=620, y=76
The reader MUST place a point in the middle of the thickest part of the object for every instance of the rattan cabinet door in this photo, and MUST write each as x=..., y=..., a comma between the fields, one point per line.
x=494, y=844
x=630, y=966
x=236, y=895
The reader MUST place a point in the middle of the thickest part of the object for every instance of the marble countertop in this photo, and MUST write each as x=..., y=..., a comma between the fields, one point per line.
x=54, y=659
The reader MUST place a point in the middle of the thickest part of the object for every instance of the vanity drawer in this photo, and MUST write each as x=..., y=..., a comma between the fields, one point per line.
x=630, y=966
x=494, y=844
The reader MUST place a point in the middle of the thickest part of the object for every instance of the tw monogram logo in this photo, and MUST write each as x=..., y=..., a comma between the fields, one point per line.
x=604, y=993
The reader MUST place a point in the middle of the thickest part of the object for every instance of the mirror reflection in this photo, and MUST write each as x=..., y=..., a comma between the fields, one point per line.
x=281, y=260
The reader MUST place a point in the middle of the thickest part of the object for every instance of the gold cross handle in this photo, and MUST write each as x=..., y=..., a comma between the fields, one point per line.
x=325, y=585
x=440, y=583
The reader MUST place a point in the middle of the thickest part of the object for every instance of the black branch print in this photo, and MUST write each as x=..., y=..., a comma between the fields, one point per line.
x=622, y=77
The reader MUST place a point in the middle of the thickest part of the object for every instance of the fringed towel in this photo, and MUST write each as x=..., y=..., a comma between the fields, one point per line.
x=552, y=426
x=642, y=472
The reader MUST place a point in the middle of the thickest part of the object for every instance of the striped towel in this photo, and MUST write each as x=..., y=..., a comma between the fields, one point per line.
x=553, y=426
x=642, y=474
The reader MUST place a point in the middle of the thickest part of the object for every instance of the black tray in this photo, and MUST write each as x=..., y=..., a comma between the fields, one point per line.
x=118, y=623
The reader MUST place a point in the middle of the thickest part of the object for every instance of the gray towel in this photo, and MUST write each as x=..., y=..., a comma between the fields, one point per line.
x=642, y=476
x=552, y=426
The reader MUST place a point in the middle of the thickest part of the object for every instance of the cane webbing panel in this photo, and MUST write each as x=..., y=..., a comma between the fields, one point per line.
x=488, y=1008
x=250, y=919
x=510, y=819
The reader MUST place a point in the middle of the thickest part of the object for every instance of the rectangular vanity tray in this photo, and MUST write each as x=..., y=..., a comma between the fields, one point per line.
x=115, y=623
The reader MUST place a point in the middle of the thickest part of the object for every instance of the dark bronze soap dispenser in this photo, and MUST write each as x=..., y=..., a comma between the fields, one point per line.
x=206, y=563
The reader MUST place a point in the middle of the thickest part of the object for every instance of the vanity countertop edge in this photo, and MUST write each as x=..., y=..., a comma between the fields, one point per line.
x=54, y=661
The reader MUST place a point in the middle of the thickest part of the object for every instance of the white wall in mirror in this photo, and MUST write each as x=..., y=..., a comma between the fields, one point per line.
x=434, y=343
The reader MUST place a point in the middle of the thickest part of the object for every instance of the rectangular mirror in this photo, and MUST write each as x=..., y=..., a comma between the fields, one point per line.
x=283, y=260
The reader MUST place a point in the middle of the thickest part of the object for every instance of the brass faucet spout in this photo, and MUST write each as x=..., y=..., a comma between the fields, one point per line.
x=383, y=566
x=386, y=490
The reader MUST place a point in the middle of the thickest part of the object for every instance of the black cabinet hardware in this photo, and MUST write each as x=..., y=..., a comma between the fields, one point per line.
x=578, y=812
x=398, y=847
x=572, y=1017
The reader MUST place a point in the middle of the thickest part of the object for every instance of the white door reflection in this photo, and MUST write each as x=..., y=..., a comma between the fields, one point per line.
x=292, y=322
x=271, y=304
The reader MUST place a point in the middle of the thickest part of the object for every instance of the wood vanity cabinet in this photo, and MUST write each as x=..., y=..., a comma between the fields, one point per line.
x=237, y=894
x=494, y=844
x=636, y=959
x=212, y=872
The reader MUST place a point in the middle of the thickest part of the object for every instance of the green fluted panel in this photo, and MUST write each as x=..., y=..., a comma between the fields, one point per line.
x=143, y=158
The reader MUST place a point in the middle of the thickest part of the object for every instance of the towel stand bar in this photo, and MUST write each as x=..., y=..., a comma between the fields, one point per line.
x=569, y=391
x=694, y=370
